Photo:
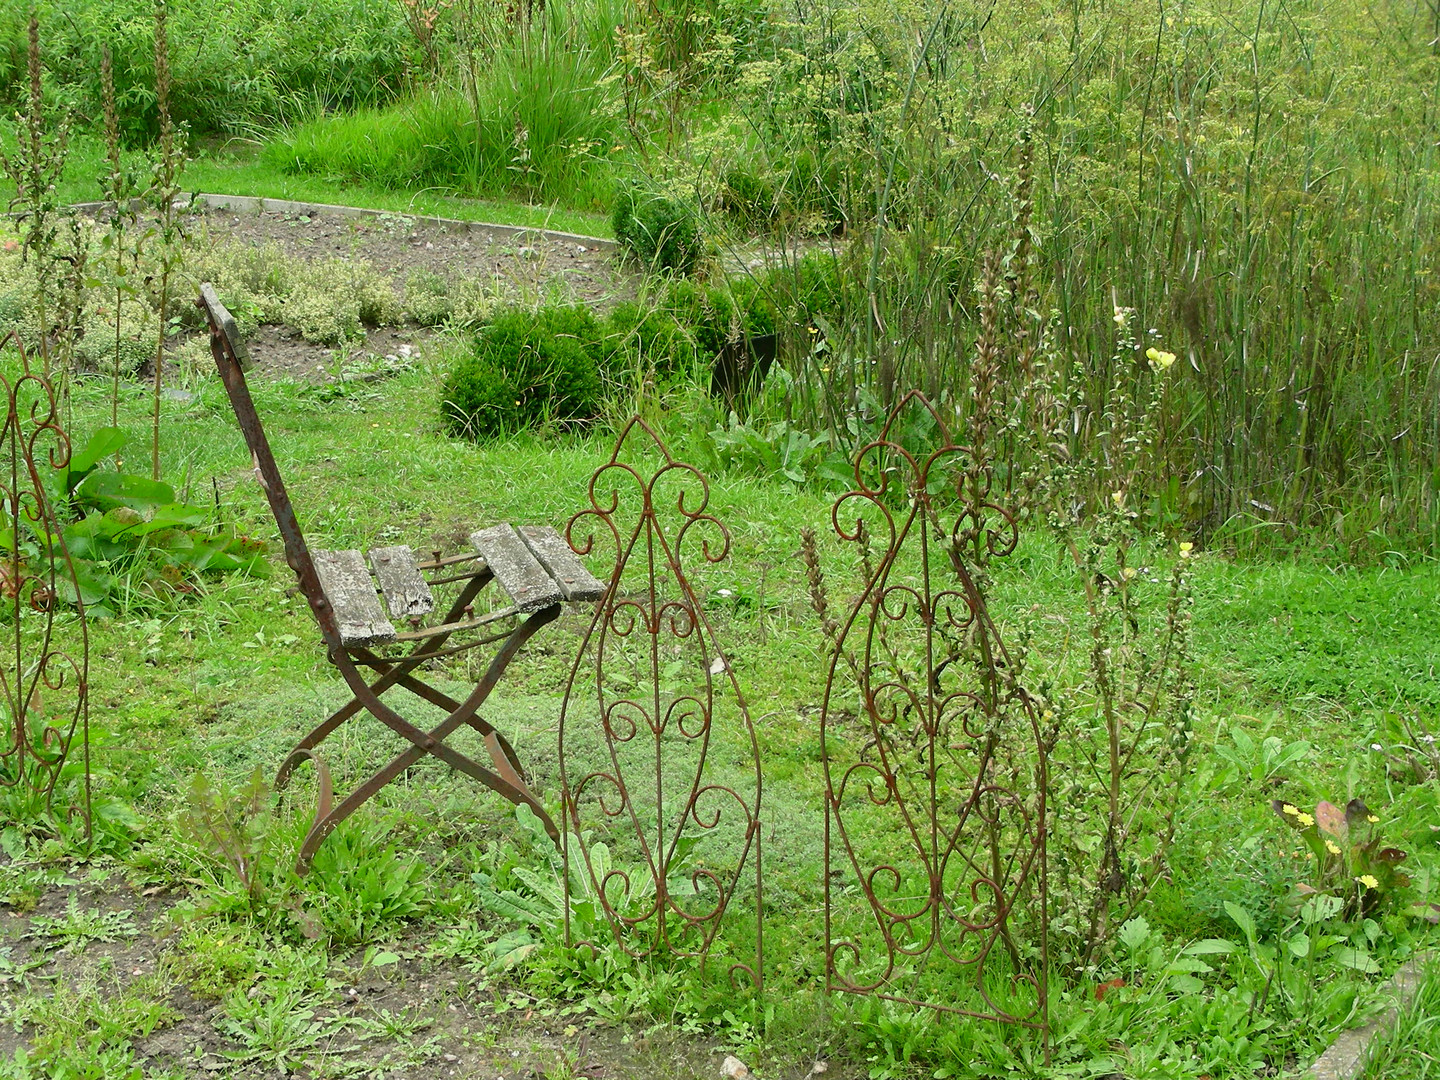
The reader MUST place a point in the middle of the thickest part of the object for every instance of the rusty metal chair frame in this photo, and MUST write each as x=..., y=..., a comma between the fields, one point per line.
x=504, y=774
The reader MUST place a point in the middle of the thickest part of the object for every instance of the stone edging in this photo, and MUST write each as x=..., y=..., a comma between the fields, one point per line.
x=242, y=204
x=1347, y=1056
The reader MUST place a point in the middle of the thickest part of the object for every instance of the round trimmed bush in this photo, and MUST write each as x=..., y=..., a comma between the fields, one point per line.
x=525, y=368
x=661, y=232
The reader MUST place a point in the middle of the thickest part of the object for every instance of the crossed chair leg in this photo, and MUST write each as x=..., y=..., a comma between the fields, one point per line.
x=505, y=777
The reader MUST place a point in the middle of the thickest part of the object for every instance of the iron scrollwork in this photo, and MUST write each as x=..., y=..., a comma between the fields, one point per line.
x=660, y=766
x=935, y=761
x=44, y=674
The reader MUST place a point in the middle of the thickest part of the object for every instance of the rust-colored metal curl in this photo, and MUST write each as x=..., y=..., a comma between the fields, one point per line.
x=44, y=688
x=935, y=882
x=665, y=844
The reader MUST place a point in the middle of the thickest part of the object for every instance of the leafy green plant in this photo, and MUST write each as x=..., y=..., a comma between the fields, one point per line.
x=133, y=542
x=534, y=896
x=34, y=165
x=122, y=244
x=82, y=1032
x=364, y=887
x=79, y=926
x=524, y=369
x=659, y=231
x=213, y=959
x=1259, y=763
x=168, y=162
x=233, y=826
x=1350, y=863
x=778, y=450
x=278, y=1030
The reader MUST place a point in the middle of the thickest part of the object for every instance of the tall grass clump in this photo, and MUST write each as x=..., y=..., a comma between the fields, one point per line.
x=245, y=64
x=1256, y=181
x=528, y=113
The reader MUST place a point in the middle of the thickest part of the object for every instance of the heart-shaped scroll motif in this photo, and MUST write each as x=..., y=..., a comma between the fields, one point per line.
x=659, y=762
x=934, y=760
x=45, y=756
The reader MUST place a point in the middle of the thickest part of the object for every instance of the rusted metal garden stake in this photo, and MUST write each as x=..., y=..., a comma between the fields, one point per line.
x=659, y=763
x=44, y=688
x=935, y=762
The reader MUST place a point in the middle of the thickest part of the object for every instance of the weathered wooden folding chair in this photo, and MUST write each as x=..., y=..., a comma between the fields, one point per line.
x=531, y=563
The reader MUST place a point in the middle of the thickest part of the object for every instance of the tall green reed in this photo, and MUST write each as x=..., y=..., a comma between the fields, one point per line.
x=1255, y=180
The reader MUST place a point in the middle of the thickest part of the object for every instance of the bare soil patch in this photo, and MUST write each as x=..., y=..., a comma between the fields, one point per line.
x=397, y=245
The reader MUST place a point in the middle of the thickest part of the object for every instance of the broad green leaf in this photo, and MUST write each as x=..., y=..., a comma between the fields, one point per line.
x=1319, y=908
x=1210, y=947
x=510, y=950
x=108, y=490
x=1358, y=960
x=1186, y=984
x=1241, y=918
x=105, y=442
x=1188, y=965
x=1135, y=933
x=1299, y=945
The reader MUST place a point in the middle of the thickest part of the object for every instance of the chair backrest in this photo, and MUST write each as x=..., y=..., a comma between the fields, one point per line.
x=232, y=360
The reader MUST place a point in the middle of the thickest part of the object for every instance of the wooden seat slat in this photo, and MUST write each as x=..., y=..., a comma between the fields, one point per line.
x=406, y=593
x=227, y=326
x=575, y=581
x=351, y=592
x=516, y=569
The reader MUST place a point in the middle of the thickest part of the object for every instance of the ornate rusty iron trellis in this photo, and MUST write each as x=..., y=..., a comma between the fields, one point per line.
x=43, y=686
x=935, y=761
x=661, y=783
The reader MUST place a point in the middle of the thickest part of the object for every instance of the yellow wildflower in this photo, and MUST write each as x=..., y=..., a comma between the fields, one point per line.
x=1293, y=811
x=1368, y=880
x=1117, y=498
x=1305, y=820
x=1122, y=316
x=1331, y=847
x=1159, y=360
x=1186, y=548
x=1128, y=572
x=1372, y=819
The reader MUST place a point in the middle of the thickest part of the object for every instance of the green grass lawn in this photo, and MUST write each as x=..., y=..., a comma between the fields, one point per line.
x=237, y=168
x=220, y=684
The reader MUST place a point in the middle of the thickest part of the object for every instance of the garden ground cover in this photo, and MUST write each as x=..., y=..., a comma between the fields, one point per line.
x=220, y=684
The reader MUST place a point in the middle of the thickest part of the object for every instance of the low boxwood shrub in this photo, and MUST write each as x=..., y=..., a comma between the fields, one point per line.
x=661, y=232
x=523, y=369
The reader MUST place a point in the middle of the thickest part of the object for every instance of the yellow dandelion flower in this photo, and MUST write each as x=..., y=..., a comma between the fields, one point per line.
x=1331, y=847
x=1368, y=880
x=1293, y=811
x=1186, y=548
x=1372, y=819
x=1305, y=820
